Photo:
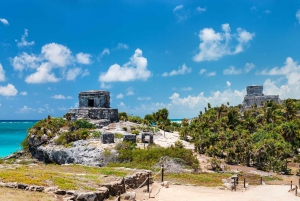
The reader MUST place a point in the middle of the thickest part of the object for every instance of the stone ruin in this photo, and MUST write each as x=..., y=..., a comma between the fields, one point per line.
x=255, y=95
x=94, y=106
x=147, y=137
x=107, y=138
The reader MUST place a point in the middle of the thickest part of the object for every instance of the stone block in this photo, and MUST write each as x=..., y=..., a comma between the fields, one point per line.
x=107, y=138
x=129, y=137
x=147, y=137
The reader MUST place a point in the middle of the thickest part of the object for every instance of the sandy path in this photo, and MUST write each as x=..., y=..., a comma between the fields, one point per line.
x=193, y=193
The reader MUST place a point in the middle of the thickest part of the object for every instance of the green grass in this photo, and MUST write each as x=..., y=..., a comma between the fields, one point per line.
x=71, y=177
x=198, y=179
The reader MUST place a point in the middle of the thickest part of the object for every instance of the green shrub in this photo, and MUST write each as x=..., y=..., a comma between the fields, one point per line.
x=146, y=159
x=82, y=123
x=118, y=135
x=124, y=128
x=25, y=143
x=67, y=137
x=135, y=132
x=132, y=128
x=178, y=144
x=96, y=134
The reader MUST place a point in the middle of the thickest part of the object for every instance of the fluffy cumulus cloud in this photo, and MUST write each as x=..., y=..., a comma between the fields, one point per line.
x=231, y=70
x=122, y=46
x=130, y=91
x=181, y=71
x=135, y=69
x=120, y=96
x=4, y=21
x=228, y=84
x=62, y=97
x=210, y=74
x=289, y=86
x=2, y=73
x=43, y=74
x=83, y=58
x=191, y=103
x=181, y=14
x=24, y=109
x=73, y=73
x=23, y=93
x=105, y=86
x=248, y=67
x=200, y=9
x=8, y=90
x=203, y=70
x=24, y=42
x=215, y=45
x=53, y=56
x=298, y=15
x=144, y=98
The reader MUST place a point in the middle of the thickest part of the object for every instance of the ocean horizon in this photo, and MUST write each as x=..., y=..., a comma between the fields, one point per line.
x=12, y=133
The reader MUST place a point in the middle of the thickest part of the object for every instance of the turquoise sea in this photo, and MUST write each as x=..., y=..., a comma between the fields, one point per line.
x=12, y=133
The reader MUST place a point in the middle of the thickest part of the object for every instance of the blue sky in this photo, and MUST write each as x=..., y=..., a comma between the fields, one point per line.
x=148, y=54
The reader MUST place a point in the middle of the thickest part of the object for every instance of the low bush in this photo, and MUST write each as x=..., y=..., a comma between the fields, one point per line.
x=67, y=137
x=146, y=159
x=135, y=132
x=118, y=135
x=124, y=128
x=96, y=134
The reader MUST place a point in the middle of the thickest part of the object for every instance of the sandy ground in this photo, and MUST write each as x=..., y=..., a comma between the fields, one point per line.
x=193, y=193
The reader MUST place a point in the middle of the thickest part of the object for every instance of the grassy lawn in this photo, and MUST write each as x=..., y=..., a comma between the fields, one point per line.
x=73, y=177
x=8, y=194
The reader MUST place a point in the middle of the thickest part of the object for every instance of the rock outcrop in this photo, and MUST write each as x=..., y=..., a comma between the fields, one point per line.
x=82, y=152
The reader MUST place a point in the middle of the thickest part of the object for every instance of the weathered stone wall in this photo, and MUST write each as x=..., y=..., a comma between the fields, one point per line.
x=129, y=137
x=147, y=135
x=97, y=98
x=95, y=113
x=255, y=96
x=255, y=91
x=107, y=138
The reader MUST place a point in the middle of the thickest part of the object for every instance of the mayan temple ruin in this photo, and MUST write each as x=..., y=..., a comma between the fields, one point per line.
x=94, y=106
x=255, y=96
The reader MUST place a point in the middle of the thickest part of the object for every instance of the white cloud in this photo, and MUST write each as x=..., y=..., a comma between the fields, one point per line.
x=130, y=91
x=232, y=71
x=177, y=8
x=181, y=71
x=83, y=58
x=52, y=56
x=59, y=96
x=41, y=110
x=24, y=109
x=135, y=69
x=62, y=108
x=210, y=74
x=4, y=21
x=120, y=96
x=8, y=90
x=73, y=73
x=298, y=15
x=267, y=11
x=23, y=93
x=105, y=86
x=122, y=104
x=122, y=46
x=289, y=89
x=25, y=60
x=104, y=52
x=190, y=103
x=214, y=45
x=186, y=89
x=199, y=9
x=57, y=54
x=143, y=98
x=86, y=72
x=228, y=84
x=202, y=71
x=2, y=73
x=23, y=42
x=42, y=75
x=248, y=67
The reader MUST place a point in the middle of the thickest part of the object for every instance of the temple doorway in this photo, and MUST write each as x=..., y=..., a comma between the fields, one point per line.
x=91, y=103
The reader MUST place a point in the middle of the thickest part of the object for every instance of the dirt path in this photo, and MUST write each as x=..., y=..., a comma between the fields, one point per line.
x=193, y=193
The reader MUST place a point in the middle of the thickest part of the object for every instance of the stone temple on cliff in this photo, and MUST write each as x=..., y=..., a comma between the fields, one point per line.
x=255, y=95
x=94, y=106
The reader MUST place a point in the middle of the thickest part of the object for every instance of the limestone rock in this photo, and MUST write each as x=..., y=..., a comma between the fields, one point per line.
x=50, y=189
x=22, y=186
x=115, y=187
x=165, y=184
x=130, y=196
x=11, y=185
x=60, y=192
